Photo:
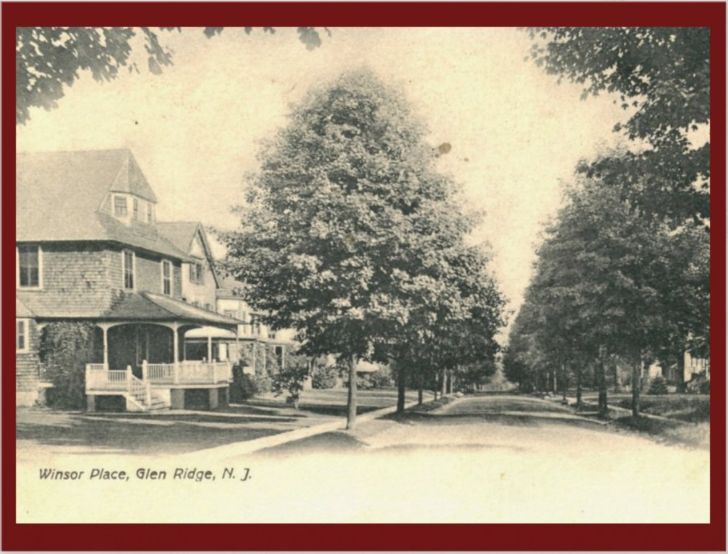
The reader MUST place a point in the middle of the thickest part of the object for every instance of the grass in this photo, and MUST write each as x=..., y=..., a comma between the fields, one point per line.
x=671, y=432
x=177, y=431
x=689, y=408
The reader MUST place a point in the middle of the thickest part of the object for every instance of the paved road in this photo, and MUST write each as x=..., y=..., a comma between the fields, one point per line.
x=490, y=459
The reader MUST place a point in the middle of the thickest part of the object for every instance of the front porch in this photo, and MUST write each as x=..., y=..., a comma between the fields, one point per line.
x=143, y=356
x=161, y=386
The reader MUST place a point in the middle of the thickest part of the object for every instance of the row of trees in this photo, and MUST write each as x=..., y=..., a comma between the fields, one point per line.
x=623, y=275
x=351, y=237
x=610, y=286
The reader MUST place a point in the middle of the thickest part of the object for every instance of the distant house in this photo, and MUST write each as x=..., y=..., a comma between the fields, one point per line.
x=89, y=248
x=253, y=341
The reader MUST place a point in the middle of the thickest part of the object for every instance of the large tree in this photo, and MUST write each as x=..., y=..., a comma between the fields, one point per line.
x=662, y=76
x=348, y=234
x=50, y=59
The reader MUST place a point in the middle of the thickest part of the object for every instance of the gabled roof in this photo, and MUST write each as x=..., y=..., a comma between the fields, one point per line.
x=179, y=233
x=182, y=235
x=59, y=197
x=229, y=288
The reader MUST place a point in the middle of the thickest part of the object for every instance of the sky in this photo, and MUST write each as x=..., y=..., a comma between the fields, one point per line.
x=516, y=134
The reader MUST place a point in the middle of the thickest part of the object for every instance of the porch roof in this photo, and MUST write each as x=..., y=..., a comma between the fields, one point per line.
x=148, y=306
x=135, y=306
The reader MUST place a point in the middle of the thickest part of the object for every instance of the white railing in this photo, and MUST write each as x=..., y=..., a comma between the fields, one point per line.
x=158, y=373
x=187, y=372
x=99, y=377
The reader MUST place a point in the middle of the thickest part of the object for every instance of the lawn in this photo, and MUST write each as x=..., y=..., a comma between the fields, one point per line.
x=690, y=408
x=177, y=431
x=667, y=431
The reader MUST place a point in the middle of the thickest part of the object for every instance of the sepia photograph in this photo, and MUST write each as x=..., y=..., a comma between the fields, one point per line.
x=363, y=275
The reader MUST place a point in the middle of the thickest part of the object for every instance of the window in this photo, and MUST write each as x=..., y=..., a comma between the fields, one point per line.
x=29, y=266
x=128, y=269
x=197, y=273
x=150, y=213
x=208, y=307
x=120, y=209
x=135, y=214
x=280, y=358
x=167, y=277
x=21, y=335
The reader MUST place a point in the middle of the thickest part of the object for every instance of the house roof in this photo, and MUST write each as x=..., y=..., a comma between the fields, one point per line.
x=135, y=306
x=179, y=233
x=229, y=287
x=60, y=194
x=182, y=234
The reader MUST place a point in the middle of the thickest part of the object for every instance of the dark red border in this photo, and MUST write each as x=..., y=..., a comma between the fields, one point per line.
x=395, y=536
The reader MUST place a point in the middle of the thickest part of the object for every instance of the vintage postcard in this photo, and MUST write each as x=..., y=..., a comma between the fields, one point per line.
x=414, y=274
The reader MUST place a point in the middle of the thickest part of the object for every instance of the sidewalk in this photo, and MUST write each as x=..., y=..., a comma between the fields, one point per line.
x=236, y=450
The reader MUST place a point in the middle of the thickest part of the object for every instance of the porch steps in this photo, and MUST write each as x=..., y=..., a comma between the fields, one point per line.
x=140, y=399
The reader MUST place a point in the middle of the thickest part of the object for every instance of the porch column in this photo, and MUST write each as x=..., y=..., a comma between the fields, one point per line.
x=105, y=331
x=209, y=348
x=237, y=345
x=175, y=350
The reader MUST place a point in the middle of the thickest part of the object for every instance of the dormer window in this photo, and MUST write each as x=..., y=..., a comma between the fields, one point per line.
x=150, y=213
x=120, y=207
x=135, y=213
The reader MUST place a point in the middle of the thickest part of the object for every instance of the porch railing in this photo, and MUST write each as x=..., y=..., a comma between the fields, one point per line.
x=187, y=372
x=100, y=377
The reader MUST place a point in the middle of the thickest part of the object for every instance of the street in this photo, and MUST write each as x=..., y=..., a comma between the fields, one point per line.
x=487, y=459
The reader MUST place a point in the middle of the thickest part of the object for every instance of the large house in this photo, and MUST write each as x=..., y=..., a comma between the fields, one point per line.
x=89, y=248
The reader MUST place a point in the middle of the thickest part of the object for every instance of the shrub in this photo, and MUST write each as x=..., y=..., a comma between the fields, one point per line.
x=324, y=377
x=246, y=386
x=381, y=379
x=658, y=386
x=290, y=380
x=65, y=349
x=699, y=384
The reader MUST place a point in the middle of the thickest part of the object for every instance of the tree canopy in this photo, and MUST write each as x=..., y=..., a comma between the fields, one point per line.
x=50, y=59
x=662, y=75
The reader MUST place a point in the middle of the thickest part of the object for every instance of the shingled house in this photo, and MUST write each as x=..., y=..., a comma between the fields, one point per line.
x=89, y=248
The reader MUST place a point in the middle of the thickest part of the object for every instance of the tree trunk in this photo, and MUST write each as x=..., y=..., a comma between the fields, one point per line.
x=443, y=376
x=564, y=382
x=554, y=381
x=449, y=381
x=602, y=386
x=351, y=417
x=578, y=385
x=401, y=378
x=420, y=391
x=636, y=380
